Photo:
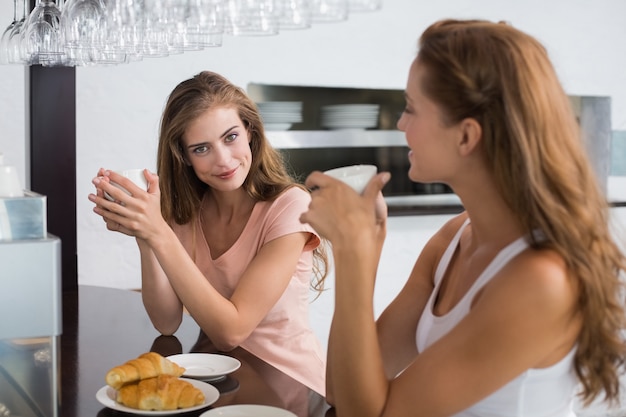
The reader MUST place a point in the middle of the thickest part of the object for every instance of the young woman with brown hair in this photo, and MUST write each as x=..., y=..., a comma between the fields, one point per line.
x=219, y=233
x=516, y=304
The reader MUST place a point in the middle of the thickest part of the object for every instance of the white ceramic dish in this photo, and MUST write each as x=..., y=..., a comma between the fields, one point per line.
x=106, y=397
x=247, y=410
x=280, y=105
x=277, y=126
x=205, y=366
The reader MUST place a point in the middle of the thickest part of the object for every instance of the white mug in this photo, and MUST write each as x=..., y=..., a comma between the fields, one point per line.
x=356, y=176
x=135, y=175
x=10, y=182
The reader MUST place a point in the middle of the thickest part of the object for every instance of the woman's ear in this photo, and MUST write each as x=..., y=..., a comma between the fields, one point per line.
x=471, y=133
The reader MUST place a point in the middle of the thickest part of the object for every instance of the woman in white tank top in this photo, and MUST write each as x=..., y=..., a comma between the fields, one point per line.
x=513, y=307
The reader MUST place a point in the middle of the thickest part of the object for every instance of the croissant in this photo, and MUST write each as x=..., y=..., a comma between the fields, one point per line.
x=147, y=365
x=164, y=392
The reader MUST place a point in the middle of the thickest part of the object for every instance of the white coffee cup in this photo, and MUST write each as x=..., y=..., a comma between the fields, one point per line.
x=135, y=175
x=10, y=182
x=356, y=176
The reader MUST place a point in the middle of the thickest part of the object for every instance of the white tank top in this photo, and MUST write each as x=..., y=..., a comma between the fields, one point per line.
x=545, y=392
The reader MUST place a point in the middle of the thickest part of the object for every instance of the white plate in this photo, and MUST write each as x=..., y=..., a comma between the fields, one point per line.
x=247, y=410
x=106, y=397
x=280, y=106
x=205, y=366
x=277, y=126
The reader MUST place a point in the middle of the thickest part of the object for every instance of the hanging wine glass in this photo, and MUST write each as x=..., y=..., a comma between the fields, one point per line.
x=105, y=32
x=172, y=20
x=205, y=22
x=4, y=41
x=43, y=40
x=294, y=14
x=202, y=24
x=81, y=21
x=325, y=11
x=251, y=18
x=127, y=18
x=155, y=36
x=8, y=52
x=92, y=32
x=364, y=5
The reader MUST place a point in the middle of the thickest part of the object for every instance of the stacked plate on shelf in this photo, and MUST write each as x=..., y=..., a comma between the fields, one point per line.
x=280, y=115
x=350, y=116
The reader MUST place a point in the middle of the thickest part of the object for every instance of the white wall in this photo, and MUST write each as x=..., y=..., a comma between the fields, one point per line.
x=118, y=108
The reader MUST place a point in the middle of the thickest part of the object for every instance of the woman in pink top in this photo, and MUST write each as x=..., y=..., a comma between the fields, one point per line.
x=219, y=233
x=515, y=305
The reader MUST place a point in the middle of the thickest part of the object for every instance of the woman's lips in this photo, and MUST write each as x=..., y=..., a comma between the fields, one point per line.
x=227, y=174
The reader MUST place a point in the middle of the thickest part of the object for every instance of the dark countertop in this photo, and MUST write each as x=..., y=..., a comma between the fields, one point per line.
x=105, y=327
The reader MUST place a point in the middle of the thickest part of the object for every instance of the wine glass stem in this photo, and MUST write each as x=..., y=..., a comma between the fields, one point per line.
x=20, y=10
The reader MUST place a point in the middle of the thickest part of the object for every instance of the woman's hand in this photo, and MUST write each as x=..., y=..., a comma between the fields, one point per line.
x=340, y=215
x=137, y=214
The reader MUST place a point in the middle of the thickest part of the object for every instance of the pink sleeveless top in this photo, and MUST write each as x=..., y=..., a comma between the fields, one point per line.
x=284, y=337
x=545, y=392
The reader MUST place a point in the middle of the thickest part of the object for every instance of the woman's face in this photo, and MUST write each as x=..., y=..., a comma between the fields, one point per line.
x=217, y=146
x=430, y=141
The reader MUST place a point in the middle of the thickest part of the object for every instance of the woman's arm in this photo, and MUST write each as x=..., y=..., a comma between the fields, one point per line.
x=524, y=318
x=140, y=216
x=227, y=321
x=159, y=298
x=397, y=325
x=357, y=234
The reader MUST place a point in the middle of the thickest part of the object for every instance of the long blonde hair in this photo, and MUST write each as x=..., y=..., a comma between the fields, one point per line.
x=504, y=79
x=182, y=190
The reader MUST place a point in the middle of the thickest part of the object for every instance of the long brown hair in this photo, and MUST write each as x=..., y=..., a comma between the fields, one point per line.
x=504, y=79
x=182, y=190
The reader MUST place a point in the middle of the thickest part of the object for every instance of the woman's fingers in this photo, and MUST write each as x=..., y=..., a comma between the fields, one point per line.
x=153, y=182
x=373, y=191
x=375, y=185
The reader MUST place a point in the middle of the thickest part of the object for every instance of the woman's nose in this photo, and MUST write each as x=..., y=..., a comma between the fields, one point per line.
x=399, y=123
x=222, y=155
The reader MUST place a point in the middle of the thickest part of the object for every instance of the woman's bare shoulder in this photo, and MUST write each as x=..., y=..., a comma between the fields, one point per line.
x=538, y=278
x=543, y=272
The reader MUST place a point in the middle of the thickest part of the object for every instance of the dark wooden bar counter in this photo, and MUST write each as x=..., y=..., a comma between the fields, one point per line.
x=105, y=327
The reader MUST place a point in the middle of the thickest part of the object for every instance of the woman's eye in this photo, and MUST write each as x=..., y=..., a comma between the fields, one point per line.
x=230, y=137
x=200, y=149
